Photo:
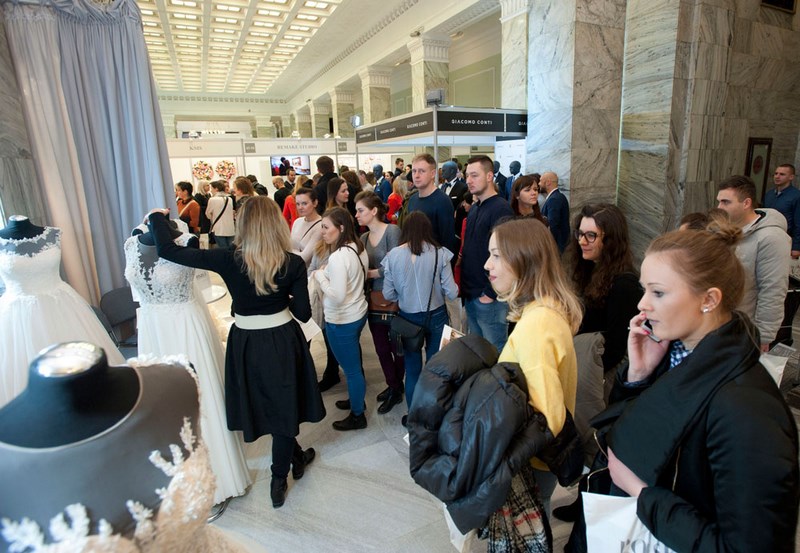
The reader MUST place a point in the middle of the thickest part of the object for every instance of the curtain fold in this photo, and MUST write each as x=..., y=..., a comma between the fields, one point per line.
x=95, y=128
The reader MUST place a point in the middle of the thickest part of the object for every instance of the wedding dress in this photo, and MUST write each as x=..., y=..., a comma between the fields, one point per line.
x=172, y=320
x=38, y=309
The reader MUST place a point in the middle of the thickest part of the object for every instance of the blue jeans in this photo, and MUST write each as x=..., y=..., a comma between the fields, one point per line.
x=433, y=335
x=223, y=242
x=344, y=340
x=488, y=320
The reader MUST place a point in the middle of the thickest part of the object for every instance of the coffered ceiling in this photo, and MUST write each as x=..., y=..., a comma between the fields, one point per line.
x=276, y=49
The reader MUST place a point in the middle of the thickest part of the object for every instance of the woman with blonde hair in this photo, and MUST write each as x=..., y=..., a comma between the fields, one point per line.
x=270, y=381
x=395, y=201
x=525, y=270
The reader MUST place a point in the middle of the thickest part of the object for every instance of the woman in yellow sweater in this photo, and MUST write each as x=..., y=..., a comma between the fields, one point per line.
x=525, y=271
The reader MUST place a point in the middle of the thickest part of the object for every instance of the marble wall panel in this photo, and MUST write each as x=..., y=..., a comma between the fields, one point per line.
x=305, y=128
x=778, y=18
x=698, y=164
x=712, y=61
x=426, y=76
x=593, y=176
x=552, y=91
x=715, y=25
x=646, y=129
x=791, y=46
x=726, y=4
x=550, y=129
x=514, y=48
x=595, y=128
x=741, y=40
x=599, y=46
x=708, y=97
x=18, y=193
x=546, y=14
x=769, y=72
x=552, y=50
x=734, y=132
x=377, y=104
x=747, y=8
x=727, y=162
x=705, y=131
x=698, y=196
x=557, y=160
x=607, y=13
x=597, y=87
x=745, y=69
x=766, y=41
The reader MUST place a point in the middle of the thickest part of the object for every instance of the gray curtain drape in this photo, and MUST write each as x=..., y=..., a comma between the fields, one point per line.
x=94, y=125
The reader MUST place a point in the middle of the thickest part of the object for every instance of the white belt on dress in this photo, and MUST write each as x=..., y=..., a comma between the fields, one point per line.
x=260, y=322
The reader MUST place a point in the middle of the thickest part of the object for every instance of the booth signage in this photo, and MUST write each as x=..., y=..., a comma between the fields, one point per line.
x=366, y=135
x=466, y=121
x=416, y=124
x=249, y=147
x=517, y=122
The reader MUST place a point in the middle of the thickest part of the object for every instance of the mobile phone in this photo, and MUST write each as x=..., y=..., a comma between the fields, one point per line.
x=648, y=327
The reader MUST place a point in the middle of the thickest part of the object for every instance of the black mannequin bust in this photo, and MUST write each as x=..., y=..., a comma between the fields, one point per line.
x=147, y=245
x=72, y=394
x=19, y=227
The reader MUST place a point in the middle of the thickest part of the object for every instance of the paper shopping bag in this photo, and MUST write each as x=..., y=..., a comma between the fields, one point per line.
x=613, y=527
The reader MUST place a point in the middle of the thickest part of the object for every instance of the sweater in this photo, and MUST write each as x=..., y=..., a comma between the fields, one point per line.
x=439, y=209
x=482, y=218
x=305, y=237
x=342, y=284
x=389, y=241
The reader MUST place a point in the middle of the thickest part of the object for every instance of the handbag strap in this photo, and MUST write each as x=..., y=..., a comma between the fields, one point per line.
x=224, y=207
x=311, y=227
x=433, y=282
x=359, y=264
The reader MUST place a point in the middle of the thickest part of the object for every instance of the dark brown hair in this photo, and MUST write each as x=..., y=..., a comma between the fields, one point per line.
x=340, y=217
x=243, y=185
x=744, y=187
x=333, y=190
x=485, y=161
x=372, y=201
x=324, y=165
x=416, y=231
x=593, y=280
x=520, y=184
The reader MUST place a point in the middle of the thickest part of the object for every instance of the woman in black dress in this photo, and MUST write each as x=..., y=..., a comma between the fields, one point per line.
x=270, y=381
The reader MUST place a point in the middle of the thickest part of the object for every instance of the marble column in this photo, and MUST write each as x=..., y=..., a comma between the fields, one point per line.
x=19, y=186
x=575, y=51
x=303, y=125
x=342, y=109
x=376, y=93
x=320, y=118
x=430, y=67
x=264, y=127
x=514, y=54
x=286, y=125
x=168, y=122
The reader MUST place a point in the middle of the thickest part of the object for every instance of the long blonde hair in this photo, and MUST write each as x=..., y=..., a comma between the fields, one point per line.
x=263, y=241
x=528, y=248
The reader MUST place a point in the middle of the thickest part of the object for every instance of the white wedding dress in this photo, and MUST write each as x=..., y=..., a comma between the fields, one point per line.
x=172, y=320
x=38, y=309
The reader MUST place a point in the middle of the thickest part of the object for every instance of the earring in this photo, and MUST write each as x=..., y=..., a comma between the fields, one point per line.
x=706, y=309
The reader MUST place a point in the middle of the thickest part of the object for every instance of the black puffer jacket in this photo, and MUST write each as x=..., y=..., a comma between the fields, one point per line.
x=471, y=429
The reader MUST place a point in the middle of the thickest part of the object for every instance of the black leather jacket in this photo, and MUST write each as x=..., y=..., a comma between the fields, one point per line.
x=471, y=429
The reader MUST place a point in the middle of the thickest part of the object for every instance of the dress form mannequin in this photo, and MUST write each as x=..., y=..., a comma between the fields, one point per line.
x=147, y=245
x=20, y=226
x=72, y=394
x=82, y=432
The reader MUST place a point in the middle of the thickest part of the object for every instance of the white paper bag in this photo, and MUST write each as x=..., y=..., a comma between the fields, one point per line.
x=613, y=527
x=462, y=542
x=775, y=366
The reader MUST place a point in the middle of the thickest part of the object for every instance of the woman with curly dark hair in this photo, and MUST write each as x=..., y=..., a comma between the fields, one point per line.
x=525, y=197
x=604, y=277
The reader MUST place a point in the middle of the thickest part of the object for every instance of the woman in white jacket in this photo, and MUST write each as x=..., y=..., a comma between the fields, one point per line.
x=345, y=308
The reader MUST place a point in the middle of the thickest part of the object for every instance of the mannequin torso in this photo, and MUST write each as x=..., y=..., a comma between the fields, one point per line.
x=19, y=227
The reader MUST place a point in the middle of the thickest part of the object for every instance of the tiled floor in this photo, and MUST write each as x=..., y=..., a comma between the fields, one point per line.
x=357, y=496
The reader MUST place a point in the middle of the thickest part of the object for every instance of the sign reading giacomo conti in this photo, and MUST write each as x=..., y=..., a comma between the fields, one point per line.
x=467, y=121
x=416, y=124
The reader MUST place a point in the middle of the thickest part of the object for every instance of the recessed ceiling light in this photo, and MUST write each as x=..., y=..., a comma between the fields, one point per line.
x=226, y=8
x=263, y=24
x=307, y=17
x=226, y=20
x=186, y=27
x=149, y=24
x=270, y=13
x=299, y=27
x=180, y=15
x=317, y=5
x=186, y=3
x=147, y=12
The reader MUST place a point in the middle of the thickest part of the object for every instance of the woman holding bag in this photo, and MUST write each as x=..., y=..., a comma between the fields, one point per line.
x=378, y=241
x=718, y=469
x=342, y=283
x=418, y=276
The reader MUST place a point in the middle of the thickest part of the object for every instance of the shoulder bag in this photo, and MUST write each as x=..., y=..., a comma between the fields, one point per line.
x=211, y=239
x=405, y=335
x=379, y=309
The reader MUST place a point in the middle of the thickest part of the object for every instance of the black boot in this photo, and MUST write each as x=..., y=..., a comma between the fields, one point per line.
x=568, y=513
x=351, y=422
x=329, y=380
x=301, y=461
x=384, y=394
x=277, y=491
x=393, y=398
x=343, y=404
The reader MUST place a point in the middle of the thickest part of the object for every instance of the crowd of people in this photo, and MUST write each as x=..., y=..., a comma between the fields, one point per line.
x=686, y=418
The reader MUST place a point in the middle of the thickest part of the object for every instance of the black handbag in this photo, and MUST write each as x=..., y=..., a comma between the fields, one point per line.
x=405, y=335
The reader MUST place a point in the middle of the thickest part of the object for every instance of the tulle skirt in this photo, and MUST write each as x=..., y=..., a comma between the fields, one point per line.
x=187, y=328
x=30, y=323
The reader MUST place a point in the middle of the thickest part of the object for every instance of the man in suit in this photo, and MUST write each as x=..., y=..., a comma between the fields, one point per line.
x=515, y=167
x=325, y=169
x=555, y=209
x=291, y=176
x=453, y=187
x=399, y=165
x=499, y=179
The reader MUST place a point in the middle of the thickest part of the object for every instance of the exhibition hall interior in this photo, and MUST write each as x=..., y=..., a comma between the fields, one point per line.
x=155, y=395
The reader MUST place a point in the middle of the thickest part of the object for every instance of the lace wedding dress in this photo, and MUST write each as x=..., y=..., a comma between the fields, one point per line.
x=170, y=518
x=38, y=309
x=172, y=320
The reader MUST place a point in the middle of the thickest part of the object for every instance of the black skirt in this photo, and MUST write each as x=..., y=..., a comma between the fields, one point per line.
x=270, y=382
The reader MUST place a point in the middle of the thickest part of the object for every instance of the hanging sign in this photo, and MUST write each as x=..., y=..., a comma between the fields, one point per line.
x=470, y=121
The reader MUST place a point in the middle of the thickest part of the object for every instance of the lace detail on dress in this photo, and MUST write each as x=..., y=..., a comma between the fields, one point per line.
x=50, y=238
x=163, y=283
x=179, y=526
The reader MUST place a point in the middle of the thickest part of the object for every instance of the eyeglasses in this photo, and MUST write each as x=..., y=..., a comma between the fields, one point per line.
x=590, y=236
